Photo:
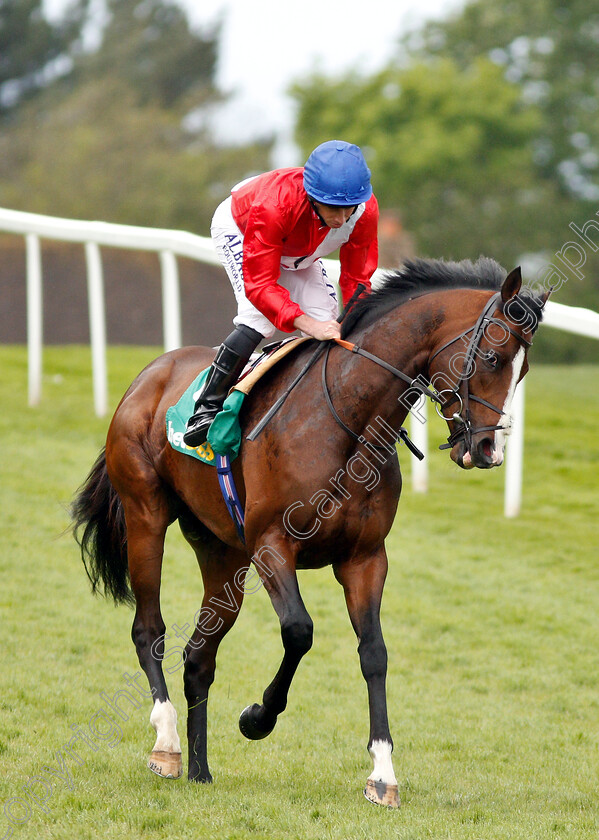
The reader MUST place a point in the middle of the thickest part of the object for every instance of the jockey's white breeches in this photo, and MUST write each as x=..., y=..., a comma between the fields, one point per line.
x=309, y=287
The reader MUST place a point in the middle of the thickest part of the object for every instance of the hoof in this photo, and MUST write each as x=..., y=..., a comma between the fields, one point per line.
x=247, y=724
x=380, y=793
x=166, y=764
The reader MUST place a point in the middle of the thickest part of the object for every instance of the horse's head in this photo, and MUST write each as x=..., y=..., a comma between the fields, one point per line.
x=476, y=372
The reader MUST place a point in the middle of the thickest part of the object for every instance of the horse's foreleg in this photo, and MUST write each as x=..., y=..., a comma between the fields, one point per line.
x=145, y=546
x=258, y=721
x=224, y=578
x=363, y=586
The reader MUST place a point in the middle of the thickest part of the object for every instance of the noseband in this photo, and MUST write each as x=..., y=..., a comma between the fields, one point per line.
x=462, y=417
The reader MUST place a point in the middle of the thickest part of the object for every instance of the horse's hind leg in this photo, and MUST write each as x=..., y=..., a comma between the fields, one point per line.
x=147, y=519
x=363, y=586
x=223, y=572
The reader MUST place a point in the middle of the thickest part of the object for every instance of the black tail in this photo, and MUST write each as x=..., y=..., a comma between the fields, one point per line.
x=98, y=510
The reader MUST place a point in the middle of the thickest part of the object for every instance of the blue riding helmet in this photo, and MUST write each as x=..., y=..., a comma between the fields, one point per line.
x=336, y=173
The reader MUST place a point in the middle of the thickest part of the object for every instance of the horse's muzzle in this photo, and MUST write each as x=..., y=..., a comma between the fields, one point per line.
x=483, y=454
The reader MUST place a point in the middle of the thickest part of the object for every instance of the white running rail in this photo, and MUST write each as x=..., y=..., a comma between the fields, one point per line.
x=170, y=244
x=167, y=243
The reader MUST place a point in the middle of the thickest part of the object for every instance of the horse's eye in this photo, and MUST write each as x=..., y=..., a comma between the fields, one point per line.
x=492, y=359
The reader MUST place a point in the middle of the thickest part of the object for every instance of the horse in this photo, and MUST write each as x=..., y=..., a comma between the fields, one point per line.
x=320, y=484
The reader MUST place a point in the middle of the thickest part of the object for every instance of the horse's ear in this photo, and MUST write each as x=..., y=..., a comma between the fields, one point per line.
x=511, y=284
x=545, y=297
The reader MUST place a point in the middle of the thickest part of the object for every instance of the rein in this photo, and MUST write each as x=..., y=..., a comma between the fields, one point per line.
x=402, y=433
x=311, y=361
x=465, y=429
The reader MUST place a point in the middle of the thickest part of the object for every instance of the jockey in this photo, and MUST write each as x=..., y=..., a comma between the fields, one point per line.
x=270, y=235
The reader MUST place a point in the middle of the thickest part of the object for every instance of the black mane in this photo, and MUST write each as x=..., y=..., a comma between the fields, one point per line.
x=420, y=277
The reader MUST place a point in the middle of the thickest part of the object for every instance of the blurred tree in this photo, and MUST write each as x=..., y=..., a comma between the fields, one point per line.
x=550, y=48
x=124, y=137
x=96, y=154
x=484, y=134
x=149, y=44
x=33, y=50
x=449, y=147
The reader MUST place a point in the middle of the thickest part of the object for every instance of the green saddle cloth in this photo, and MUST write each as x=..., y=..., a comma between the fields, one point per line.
x=224, y=435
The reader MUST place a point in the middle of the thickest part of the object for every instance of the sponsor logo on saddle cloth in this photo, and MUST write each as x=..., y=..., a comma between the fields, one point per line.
x=224, y=435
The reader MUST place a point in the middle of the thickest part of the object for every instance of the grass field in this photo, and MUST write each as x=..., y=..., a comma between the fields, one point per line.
x=491, y=626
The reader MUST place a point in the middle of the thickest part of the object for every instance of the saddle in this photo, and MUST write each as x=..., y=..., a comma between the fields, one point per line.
x=224, y=437
x=263, y=361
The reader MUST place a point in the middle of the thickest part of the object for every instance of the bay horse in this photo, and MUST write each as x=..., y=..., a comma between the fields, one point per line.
x=320, y=485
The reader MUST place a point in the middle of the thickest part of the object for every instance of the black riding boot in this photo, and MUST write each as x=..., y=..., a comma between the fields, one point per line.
x=231, y=358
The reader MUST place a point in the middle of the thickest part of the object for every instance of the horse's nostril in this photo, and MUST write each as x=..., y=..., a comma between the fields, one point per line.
x=486, y=447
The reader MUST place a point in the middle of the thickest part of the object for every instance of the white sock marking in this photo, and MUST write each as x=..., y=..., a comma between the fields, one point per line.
x=164, y=720
x=380, y=752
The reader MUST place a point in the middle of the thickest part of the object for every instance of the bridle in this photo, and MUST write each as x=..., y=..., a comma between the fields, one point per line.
x=462, y=417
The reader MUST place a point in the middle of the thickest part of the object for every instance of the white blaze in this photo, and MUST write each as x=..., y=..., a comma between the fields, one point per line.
x=506, y=419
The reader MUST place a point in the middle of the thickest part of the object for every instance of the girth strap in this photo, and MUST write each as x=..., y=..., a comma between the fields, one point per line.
x=230, y=495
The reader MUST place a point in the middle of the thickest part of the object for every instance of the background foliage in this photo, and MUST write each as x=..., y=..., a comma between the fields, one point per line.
x=115, y=131
x=481, y=133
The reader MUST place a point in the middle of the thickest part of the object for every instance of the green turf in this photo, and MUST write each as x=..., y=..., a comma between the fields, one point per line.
x=491, y=626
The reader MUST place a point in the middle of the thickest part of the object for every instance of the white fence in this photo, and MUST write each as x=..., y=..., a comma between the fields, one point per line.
x=168, y=244
x=171, y=244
